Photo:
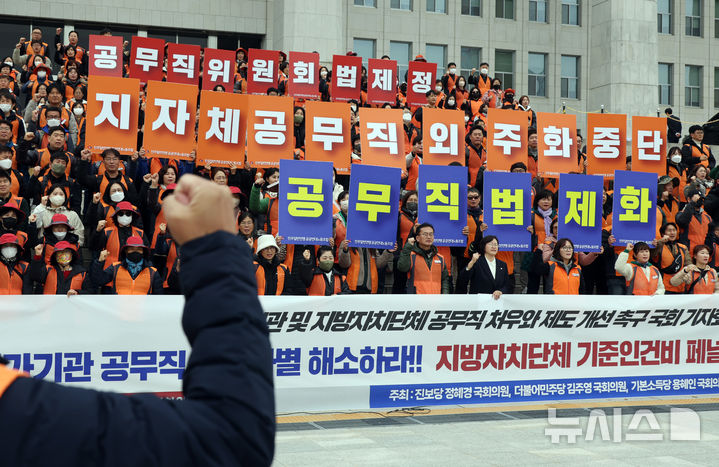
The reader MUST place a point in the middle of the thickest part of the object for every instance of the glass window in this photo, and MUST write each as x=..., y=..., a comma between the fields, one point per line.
x=370, y=3
x=85, y=30
x=716, y=18
x=165, y=34
x=471, y=57
x=504, y=68
x=570, y=12
x=538, y=11
x=666, y=72
x=401, y=5
x=194, y=39
x=692, y=86
x=472, y=7
x=537, y=74
x=437, y=54
x=401, y=52
x=364, y=48
x=505, y=9
x=570, y=77
x=693, y=18
x=664, y=16
x=716, y=87
x=437, y=6
x=11, y=30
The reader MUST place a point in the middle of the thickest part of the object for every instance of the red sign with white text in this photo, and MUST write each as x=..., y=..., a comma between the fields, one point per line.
x=420, y=79
x=146, y=58
x=346, y=78
x=218, y=69
x=105, y=56
x=183, y=64
x=304, y=75
x=262, y=70
x=381, y=81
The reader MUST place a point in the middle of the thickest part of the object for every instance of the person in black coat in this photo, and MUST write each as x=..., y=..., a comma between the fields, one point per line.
x=485, y=273
x=674, y=126
x=228, y=415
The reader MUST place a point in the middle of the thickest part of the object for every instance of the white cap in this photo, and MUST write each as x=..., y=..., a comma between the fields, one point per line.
x=265, y=241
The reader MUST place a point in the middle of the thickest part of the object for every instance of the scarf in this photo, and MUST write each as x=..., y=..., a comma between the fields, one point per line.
x=134, y=268
x=547, y=220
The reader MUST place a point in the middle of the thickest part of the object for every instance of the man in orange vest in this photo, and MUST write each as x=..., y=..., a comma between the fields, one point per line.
x=12, y=269
x=132, y=275
x=426, y=269
x=694, y=151
x=693, y=220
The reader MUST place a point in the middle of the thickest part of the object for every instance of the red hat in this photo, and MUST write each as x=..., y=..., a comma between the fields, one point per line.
x=134, y=241
x=125, y=206
x=9, y=238
x=60, y=219
x=420, y=58
x=63, y=245
x=19, y=212
x=510, y=91
x=235, y=191
x=283, y=56
x=242, y=49
x=351, y=54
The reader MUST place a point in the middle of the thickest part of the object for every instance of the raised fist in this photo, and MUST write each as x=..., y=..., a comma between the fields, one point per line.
x=101, y=225
x=38, y=250
x=103, y=255
x=96, y=198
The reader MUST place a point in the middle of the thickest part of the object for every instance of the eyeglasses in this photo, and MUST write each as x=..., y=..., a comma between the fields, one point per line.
x=426, y=234
x=472, y=197
x=567, y=248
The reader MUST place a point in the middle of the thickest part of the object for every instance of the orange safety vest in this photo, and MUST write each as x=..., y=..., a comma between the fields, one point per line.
x=640, y=285
x=678, y=191
x=171, y=257
x=11, y=281
x=50, y=287
x=340, y=233
x=562, y=282
x=671, y=213
x=706, y=285
x=272, y=220
x=14, y=183
x=484, y=83
x=44, y=154
x=697, y=231
x=422, y=279
x=474, y=107
x=260, y=277
x=7, y=377
x=14, y=201
x=318, y=286
x=405, y=227
x=413, y=174
x=665, y=260
x=472, y=227
x=507, y=257
x=105, y=182
x=354, y=269
x=539, y=231
x=474, y=163
x=112, y=243
x=704, y=151
x=126, y=285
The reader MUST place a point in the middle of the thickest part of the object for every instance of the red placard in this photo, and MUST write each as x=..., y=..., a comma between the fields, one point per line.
x=381, y=137
x=506, y=139
x=606, y=144
x=221, y=134
x=105, y=56
x=270, y=130
x=420, y=79
x=170, y=120
x=262, y=70
x=381, y=81
x=146, y=58
x=443, y=140
x=304, y=75
x=183, y=64
x=327, y=136
x=218, y=69
x=649, y=144
x=557, y=143
x=346, y=78
x=113, y=106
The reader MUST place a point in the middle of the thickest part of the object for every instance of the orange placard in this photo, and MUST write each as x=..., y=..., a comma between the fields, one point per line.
x=443, y=136
x=606, y=144
x=649, y=144
x=506, y=139
x=221, y=134
x=327, y=134
x=170, y=120
x=270, y=130
x=557, y=148
x=382, y=138
x=113, y=106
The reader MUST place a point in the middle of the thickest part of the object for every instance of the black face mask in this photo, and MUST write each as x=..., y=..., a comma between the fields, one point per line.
x=496, y=87
x=9, y=223
x=134, y=256
x=699, y=203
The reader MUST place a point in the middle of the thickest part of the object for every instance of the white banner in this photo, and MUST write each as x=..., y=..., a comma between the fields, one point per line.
x=363, y=351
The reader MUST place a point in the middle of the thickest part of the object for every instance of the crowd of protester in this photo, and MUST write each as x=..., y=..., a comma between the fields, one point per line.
x=76, y=222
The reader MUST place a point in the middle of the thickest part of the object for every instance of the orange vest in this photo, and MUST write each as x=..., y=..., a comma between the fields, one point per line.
x=707, y=285
x=105, y=182
x=640, y=285
x=423, y=279
x=11, y=282
x=705, y=151
x=474, y=163
x=679, y=190
x=126, y=285
x=697, y=231
x=405, y=226
x=171, y=257
x=354, y=269
x=318, y=288
x=340, y=233
x=484, y=83
x=665, y=260
x=7, y=377
x=50, y=287
x=474, y=107
x=507, y=257
x=671, y=213
x=44, y=154
x=472, y=227
x=260, y=277
x=564, y=283
x=539, y=227
x=272, y=221
x=14, y=183
x=112, y=243
x=413, y=174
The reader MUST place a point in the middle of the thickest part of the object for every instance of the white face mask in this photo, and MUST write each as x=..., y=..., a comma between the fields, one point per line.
x=438, y=88
x=53, y=122
x=57, y=200
x=5, y=164
x=9, y=251
x=323, y=74
x=484, y=71
x=60, y=235
x=41, y=74
x=8, y=63
x=78, y=111
x=676, y=158
x=117, y=196
x=452, y=71
x=5, y=108
x=466, y=119
x=406, y=117
x=124, y=220
x=344, y=205
x=450, y=102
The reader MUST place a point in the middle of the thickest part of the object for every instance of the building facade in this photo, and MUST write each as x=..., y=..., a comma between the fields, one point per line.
x=629, y=56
